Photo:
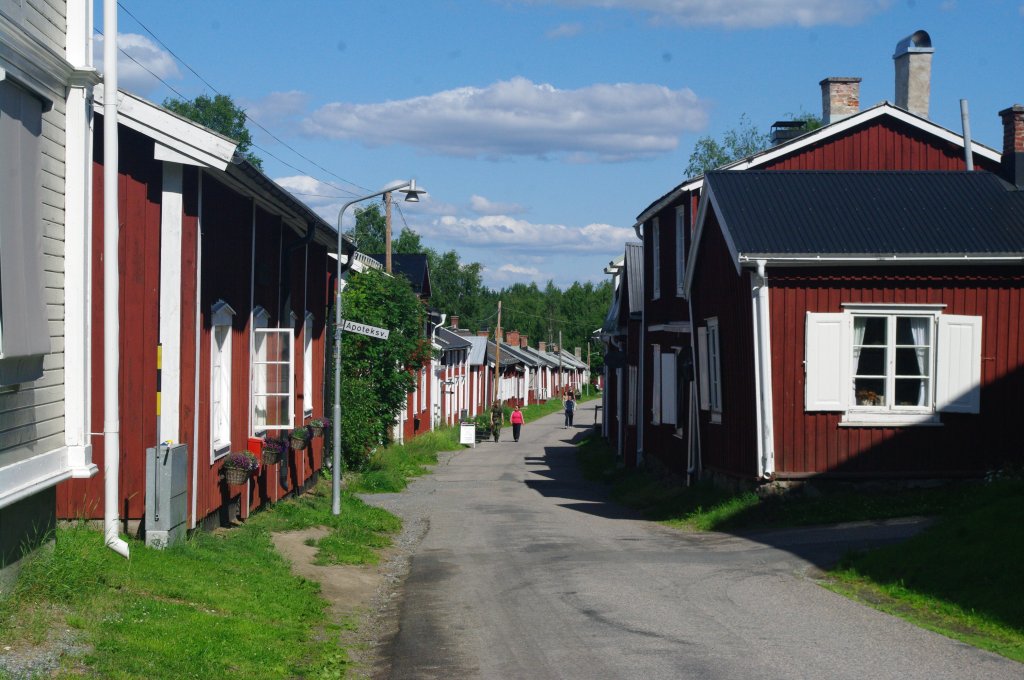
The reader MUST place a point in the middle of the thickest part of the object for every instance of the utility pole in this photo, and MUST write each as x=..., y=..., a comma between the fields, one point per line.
x=387, y=232
x=561, y=381
x=497, y=352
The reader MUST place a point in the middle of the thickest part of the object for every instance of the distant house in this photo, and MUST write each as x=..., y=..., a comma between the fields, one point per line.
x=859, y=324
x=882, y=137
x=454, y=375
x=224, y=280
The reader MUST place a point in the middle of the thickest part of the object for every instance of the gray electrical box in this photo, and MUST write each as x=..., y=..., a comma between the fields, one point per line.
x=166, y=494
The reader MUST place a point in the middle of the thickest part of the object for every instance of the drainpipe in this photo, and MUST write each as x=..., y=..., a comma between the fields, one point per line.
x=764, y=375
x=111, y=276
x=693, y=458
x=965, y=120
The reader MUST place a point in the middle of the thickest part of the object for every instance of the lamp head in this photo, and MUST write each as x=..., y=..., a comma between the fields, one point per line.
x=412, y=193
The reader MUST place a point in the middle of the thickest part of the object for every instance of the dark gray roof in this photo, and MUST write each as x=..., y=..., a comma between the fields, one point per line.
x=870, y=214
x=507, y=357
x=412, y=266
x=450, y=340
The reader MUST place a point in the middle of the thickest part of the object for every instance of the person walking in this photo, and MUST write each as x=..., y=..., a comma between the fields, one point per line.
x=570, y=407
x=517, y=422
x=497, y=419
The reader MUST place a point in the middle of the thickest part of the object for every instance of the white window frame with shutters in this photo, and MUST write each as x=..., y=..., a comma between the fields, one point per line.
x=710, y=369
x=222, y=318
x=680, y=251
x=669, y=395
x=914, y=350
x=631, y=395
x=307, y=365
x=655, y=259
x=260, y=391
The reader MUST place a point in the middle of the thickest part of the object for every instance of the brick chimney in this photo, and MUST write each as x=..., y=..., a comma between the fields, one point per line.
x=483, y=332
x=1013, y=145
x=542, y=346
x=455, y=322
x=913, y=59
x=524, y=341
x=576, y=352
x=512, y=338
x=840, y=98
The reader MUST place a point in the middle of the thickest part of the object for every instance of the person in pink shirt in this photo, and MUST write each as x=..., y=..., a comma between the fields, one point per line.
x=517, y=422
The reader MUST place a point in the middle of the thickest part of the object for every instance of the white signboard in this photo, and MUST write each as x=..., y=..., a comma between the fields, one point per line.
x=467, y=434
x=363, y=329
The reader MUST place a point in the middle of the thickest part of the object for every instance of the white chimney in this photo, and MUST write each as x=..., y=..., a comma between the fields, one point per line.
x=913, y=59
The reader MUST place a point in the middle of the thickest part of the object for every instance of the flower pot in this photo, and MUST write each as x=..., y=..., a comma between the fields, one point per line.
x=317, y=431
x=235, y=477
x=271, y=456
x=299, y=444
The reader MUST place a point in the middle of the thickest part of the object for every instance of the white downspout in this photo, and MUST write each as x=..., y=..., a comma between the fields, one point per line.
x=766, y=464
x=111, y=283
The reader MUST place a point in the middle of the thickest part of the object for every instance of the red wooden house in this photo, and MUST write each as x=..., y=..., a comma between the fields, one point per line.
x=883, y=137
x=858, y=324
x=223, y=276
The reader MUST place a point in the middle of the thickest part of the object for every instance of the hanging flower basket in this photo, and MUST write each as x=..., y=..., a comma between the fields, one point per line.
x=273, y=450
x=239, y=466
x=299, y=438
x=319, y=426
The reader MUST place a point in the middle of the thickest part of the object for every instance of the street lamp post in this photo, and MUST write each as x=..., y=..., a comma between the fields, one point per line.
x=412, y=195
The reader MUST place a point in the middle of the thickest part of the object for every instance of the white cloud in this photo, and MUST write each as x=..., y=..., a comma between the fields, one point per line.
x=605, y=122
x=483, y=206
x=520, y=271
x=145, y=62
x=276, y=107
x=508, y=233
x=742, y=13
x=565, y=31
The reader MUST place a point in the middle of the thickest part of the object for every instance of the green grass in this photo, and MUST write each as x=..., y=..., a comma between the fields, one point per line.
x=390, y=468
x=961, y=577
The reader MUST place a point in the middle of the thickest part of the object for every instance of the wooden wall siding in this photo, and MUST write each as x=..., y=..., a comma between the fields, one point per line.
x=226, y=271
x=887, y=145
x=139, y=260
x=965, y=444
x=729, y=446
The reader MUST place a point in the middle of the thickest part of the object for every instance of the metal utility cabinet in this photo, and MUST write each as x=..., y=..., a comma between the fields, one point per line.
x=166, y=494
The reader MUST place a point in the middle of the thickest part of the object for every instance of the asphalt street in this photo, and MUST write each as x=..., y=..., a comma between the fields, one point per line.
x=525, y=570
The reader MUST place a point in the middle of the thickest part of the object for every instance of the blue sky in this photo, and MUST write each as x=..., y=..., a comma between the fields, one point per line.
x=541, y=128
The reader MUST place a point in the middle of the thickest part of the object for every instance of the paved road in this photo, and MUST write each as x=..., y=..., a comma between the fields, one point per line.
x=526, y=571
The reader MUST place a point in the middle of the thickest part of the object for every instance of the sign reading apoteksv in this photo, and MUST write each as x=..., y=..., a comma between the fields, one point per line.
x=363, y=329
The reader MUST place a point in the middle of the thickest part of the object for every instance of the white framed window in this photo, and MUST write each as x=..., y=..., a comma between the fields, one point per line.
x=272, y=386
x=892, y=364
x=656, y=385
x=222, y=317
x=668, y=388
x=24, y=331
x=680, y=249
x=631, y=396
x=710, y=368
x=307, y=365
x=655, y=259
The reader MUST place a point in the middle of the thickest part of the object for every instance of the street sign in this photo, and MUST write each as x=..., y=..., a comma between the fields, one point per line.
x=363, y=329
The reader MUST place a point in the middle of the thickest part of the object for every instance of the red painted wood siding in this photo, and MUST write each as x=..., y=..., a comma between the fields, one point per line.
x=966, y=443
x=884, y=144
x=729, y=446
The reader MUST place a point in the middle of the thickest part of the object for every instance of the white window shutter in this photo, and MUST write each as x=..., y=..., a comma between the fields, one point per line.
x=958, y=364
x=668, y=388
x=827, y=362
x=656, y=387
x=702, y=368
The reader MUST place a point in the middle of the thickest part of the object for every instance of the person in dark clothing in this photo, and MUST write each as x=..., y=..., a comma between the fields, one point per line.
x=570, y=408
x=497, y=419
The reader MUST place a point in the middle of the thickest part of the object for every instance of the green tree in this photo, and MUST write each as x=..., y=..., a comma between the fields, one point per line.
x=741, y=141
x=458, y=288
x=375, y=373
x=368, y=232
x=220, y=114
